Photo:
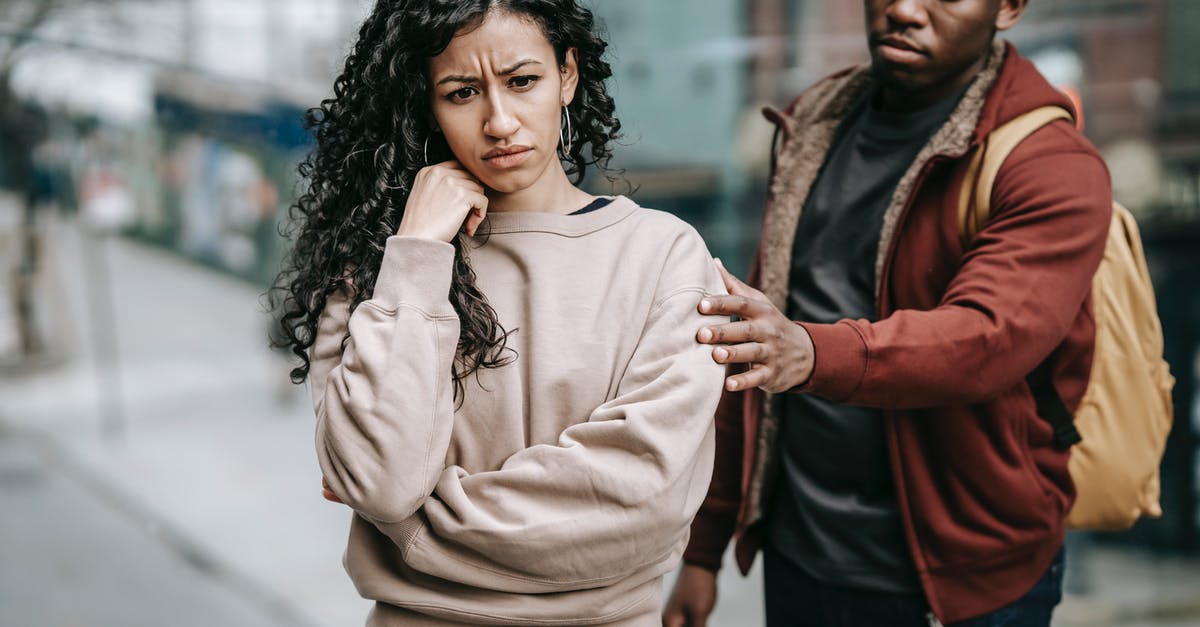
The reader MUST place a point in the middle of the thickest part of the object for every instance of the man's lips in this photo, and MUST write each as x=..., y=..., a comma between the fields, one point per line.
x=898, y=50
x=898, y=42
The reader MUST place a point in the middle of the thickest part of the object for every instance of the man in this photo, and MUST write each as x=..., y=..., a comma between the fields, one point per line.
x=883, y=446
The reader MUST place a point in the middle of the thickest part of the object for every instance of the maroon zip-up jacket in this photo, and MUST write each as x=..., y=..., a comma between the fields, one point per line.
x=983, y=492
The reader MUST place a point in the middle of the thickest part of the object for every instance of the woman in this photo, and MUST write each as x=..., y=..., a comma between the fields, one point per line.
x=524, y=437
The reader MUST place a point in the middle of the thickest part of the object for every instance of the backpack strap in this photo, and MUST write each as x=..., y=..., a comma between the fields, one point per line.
x=974, y=209
x=975, y=201
x=1050, y=406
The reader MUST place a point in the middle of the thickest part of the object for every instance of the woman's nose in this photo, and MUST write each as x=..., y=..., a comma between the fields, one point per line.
x=500, y=122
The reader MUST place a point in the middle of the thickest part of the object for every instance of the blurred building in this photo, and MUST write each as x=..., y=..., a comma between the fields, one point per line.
x=679, y=94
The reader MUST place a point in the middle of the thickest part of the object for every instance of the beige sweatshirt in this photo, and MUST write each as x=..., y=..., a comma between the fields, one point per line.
x=562, y=489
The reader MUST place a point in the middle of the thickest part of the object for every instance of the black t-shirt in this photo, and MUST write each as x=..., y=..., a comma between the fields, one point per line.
x=600, y=203
x=834, y=513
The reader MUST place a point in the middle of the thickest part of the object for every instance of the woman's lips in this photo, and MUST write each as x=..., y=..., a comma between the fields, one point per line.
x=508, y=158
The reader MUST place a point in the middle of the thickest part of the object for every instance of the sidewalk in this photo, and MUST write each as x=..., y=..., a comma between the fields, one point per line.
x=215, y=454
x=207, y=501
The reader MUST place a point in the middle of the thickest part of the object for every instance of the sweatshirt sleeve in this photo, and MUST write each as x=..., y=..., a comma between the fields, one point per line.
x=1020, y=287
x=613, y=496
x=384, y=399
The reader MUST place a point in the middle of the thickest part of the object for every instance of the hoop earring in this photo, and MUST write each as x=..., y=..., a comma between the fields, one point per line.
x=565, y=141
x=427, y=150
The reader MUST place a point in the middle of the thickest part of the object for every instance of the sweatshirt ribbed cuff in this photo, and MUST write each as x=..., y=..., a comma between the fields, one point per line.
x=416, y=272
x=839, y=361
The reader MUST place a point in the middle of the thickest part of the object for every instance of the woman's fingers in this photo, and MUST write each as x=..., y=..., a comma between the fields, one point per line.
x=327, y=493
x=474, y=219
x=445, y=200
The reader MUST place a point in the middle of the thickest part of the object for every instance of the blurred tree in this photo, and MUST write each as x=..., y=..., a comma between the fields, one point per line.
x=23, y=126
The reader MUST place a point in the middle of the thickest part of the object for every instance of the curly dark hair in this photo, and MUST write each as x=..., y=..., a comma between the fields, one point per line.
x=371, y=142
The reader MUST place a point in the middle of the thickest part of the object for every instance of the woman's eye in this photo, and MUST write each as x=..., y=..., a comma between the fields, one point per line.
x=461, y=94
x=523, y=81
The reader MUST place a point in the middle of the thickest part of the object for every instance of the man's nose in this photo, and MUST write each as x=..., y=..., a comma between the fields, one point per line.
x=907, y=13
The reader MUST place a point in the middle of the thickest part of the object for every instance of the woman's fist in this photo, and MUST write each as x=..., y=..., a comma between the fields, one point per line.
x=445, y=199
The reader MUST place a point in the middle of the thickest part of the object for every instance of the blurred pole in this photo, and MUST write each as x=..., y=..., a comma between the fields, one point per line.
x=31, y=343
x=98, y=279
x=190, y=18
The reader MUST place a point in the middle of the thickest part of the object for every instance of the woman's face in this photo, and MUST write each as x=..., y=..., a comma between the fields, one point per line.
x=498, y=93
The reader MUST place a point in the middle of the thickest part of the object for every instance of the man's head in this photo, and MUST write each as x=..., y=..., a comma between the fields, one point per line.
x=925, y=50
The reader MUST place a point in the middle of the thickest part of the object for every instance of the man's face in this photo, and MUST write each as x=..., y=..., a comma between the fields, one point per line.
x=933, y=44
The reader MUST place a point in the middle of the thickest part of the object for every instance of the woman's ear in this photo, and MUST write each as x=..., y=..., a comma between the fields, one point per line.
x=570, y=76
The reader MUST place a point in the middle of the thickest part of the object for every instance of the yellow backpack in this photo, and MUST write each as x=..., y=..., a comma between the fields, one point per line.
x=1120, y=429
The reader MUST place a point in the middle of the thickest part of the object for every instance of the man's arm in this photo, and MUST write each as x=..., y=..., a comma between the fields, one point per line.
x=1019, y=289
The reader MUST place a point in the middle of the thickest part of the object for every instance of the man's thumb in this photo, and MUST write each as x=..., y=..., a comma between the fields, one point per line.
x=732, y=283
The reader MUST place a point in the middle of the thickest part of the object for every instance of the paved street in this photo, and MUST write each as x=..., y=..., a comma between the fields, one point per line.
x=201, y=505
x=75, y=554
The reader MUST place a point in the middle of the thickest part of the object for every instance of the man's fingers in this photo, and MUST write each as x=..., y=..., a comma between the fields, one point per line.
x=737, y=305
x=746, y=380
x=732, y=333
x=741, y=354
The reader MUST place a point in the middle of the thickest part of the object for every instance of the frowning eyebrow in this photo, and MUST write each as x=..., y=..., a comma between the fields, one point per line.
x=504, y=72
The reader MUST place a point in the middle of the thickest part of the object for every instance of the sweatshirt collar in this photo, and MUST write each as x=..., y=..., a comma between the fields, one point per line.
x=558, y=224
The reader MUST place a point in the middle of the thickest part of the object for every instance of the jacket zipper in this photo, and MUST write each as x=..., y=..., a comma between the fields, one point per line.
x=884, y=271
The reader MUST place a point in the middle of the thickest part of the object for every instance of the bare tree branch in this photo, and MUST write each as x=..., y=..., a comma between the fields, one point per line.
x=38, y=14
x=22, y=19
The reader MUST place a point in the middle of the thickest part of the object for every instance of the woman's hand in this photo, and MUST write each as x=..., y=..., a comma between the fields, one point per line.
x=328, y=493
x=445, y=199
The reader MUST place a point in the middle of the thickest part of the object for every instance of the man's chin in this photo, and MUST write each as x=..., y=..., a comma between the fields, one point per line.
x=899, y=79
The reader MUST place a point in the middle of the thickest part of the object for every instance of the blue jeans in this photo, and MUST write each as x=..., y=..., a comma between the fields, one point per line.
x=795, y=599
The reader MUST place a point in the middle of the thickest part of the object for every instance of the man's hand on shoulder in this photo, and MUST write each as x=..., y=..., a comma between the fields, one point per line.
x=779, y=351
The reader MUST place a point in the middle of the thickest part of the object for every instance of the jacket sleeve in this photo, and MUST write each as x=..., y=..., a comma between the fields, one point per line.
x=612, y=497
x=384, y=398
x=716, y=521
x=1021, y=285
